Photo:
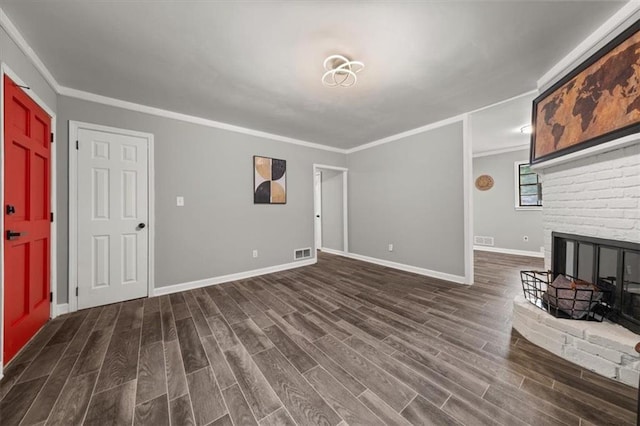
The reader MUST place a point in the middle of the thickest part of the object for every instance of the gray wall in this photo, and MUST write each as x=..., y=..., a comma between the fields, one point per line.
x=219, y=226
x=410, y=193
x=494, y=212
x=332, y=211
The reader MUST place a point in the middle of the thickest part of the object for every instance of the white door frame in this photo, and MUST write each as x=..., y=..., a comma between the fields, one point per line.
x=345, y=206
x=74, y=127
x=317, y=202
x=5, y=70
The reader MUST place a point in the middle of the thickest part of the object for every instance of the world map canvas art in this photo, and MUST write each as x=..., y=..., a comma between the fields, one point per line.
x=597, y=102
x=269, y=180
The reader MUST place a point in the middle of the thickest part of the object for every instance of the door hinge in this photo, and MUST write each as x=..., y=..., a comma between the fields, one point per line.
x=77, y=145
x=51, y=137
x=76, y=291
x=51, y=216
x=51, y=297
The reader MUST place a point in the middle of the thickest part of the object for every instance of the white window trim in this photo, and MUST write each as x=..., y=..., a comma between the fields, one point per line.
x=516, y=189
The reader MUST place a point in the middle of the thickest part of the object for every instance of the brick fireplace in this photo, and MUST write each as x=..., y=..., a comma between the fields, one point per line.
x=594, y=196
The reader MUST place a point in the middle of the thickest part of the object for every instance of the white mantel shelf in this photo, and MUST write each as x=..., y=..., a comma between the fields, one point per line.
x=602, y=347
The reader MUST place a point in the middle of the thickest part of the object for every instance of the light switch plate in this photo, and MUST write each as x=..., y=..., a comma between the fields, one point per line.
x=180, y=201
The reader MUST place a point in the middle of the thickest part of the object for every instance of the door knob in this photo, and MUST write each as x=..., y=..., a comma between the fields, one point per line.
x=317, y=215
x=12, y=235
x=141, y=225
x=11, y=209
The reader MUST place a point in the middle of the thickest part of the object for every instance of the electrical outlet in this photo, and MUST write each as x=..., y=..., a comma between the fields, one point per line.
x=525, y=239
x=390, y=247
x=180, y=201
x=255, y=254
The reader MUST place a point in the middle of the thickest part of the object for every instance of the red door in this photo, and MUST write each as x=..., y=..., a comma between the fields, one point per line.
x=27, y=222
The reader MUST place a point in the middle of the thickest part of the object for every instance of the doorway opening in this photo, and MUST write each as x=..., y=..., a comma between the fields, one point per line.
x=330, y=196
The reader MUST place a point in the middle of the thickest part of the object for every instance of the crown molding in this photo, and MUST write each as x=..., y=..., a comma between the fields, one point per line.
x=504, y=101
x=15, y=35
x=504, y=150
x=118, y=103
x=402, y=135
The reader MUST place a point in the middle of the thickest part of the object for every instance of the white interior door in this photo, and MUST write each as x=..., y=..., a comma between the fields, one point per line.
x=112, y=217
x=317, y=194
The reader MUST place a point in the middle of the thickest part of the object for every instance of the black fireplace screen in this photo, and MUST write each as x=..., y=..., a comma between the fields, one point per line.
x=611, y=265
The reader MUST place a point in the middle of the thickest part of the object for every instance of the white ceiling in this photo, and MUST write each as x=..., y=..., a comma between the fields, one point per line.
x=498, y=127
x=258, y=64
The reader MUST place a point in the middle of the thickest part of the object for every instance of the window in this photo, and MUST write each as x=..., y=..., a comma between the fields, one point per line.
x=528, y=187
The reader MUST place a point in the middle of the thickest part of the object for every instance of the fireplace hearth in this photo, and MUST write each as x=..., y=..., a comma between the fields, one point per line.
x=613, y=266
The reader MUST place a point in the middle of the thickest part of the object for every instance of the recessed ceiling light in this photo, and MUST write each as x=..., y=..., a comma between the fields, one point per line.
x=526, y=130
x=340, y=71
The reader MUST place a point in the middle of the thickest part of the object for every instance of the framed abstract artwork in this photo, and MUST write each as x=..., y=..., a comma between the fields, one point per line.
x=595, y=103
x=269, y=180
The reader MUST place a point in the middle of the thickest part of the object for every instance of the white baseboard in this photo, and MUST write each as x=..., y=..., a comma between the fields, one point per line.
x=61, y=309
x=458, y=279
x=510, y=251
x=333, y=251
x=176, y=288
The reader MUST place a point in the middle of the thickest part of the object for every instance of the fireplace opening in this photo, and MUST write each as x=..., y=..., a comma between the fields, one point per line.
x=612, y=265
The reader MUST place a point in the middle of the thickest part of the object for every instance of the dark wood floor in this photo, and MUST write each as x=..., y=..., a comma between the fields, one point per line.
x=340, y=342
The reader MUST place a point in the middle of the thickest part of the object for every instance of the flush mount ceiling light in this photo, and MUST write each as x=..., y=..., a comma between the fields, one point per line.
x=340, y=71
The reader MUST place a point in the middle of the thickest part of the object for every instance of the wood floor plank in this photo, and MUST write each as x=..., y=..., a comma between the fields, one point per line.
x=108, y=316
x=174, y=367
x=410, y=377
x=576, y=406
x=44, y=363
x=388, y=415
x=223, y=421
x=121, y=360
x=69, y=329
x=47, y=397
x=152, y=380
x=130, y=316
x=152, y=413
x=238, y=408
x=225, y=336
x=412, y=340
x=392, y=391
x=340, y=399
x=221, y=370
x=206, y=398
x=250, y=335
x=168, y=322
x=197, y=315
x=151, y=328
x=278, y=418
x=79, y=340
x=296, y=356
x=422, y=412
x=180, y=411
x=301, y=400
x=209, y=309
x=260, y=396
x=112, y=407
x=16, y=403
x=72, y=404
x=304, y=326
x=11, y=376
x=229, y=308
x=92, y=355
x=193, y=354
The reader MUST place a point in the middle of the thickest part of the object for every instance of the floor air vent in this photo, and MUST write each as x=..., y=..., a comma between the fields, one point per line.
x=304, y=253
x=483, y=241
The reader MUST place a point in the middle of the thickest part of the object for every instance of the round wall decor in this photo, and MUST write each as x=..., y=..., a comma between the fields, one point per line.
x=484, y=182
